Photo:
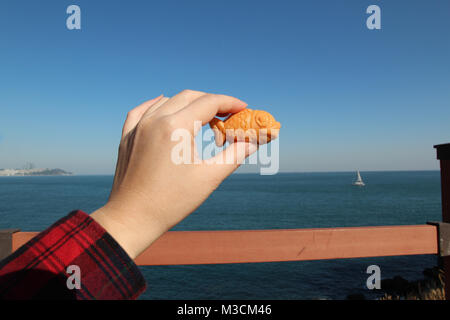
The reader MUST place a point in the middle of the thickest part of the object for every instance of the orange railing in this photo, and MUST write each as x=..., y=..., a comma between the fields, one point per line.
x=207, y=247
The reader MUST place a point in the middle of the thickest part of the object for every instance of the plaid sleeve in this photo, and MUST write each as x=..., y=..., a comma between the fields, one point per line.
x=47, y=266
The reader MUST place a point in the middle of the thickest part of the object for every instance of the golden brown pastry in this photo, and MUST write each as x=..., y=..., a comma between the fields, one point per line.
x=249, y=125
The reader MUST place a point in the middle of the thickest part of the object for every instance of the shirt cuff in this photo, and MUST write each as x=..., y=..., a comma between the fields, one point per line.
x=48, y=265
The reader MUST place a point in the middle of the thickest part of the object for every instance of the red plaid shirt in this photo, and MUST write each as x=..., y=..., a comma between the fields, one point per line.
x=39, y=269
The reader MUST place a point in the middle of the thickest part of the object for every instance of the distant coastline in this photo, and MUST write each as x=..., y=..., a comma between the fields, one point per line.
x=33, y=172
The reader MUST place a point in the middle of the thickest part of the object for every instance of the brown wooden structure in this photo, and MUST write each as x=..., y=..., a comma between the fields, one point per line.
x=443, y=155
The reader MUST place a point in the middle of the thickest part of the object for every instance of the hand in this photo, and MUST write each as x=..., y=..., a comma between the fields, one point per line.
x=151, y=193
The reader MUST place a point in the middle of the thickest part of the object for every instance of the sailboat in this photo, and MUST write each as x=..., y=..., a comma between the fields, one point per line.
x=358, y=181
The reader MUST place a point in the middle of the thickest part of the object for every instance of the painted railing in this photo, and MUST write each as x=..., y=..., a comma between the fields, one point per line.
x=247, y=246
x=208, y=247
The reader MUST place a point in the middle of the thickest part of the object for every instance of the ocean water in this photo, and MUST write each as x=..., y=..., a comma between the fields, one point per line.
x=251, y=201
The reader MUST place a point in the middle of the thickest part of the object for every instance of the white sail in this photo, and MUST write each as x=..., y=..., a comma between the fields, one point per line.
x=358, y=181
x=359, y=176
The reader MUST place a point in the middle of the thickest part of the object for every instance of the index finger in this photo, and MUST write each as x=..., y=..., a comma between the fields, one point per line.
x=205, y=108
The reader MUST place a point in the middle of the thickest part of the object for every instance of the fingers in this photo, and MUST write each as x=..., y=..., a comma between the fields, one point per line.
x=135, y=115
x=228, y=160
x=179, y=101
x=207, y=106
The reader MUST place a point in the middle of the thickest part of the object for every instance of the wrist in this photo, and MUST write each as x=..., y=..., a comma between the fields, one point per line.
x=131, y=228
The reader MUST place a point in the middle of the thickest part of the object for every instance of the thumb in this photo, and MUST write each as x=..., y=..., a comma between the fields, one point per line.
x=228, y=160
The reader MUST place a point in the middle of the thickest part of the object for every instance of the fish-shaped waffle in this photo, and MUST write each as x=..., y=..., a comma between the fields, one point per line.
x=249, y=125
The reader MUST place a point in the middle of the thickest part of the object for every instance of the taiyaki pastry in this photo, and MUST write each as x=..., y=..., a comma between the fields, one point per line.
x=256, y=126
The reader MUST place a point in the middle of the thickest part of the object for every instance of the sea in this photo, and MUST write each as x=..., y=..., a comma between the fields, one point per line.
x=252, y=201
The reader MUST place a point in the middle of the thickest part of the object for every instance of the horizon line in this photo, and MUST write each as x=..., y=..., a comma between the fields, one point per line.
x=284, y=172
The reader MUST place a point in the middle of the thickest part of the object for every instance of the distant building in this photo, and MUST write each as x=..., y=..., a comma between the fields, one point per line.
x=33, y=172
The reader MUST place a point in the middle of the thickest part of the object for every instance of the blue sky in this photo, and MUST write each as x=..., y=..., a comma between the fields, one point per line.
x=347, y=97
